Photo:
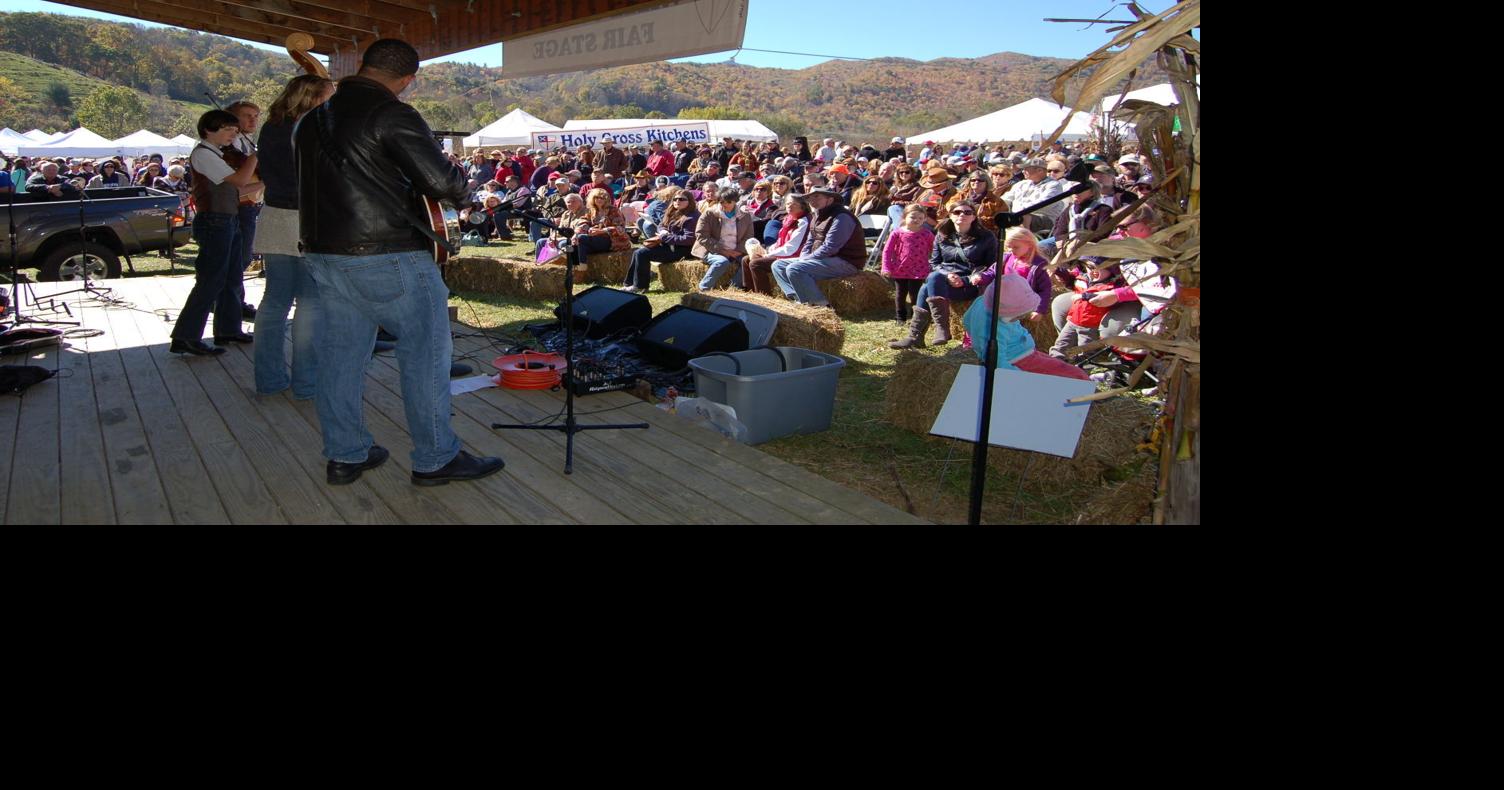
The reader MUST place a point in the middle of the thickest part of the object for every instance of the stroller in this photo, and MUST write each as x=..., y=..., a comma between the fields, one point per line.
x=1115, y=365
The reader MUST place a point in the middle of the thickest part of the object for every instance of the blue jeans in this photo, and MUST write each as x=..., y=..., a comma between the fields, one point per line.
x=403, y=292
x=249, y=215
x=216, y=274
x=718, y=265
x=797, y=276
x=938, y=284
x=287, y=280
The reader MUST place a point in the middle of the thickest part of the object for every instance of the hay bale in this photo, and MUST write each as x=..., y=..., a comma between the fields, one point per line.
x=682, y=275
x=1114, y=428
x=507, y=277
x=800, y=325
x=1128, y=502
x=863, y=292
x=608, y=267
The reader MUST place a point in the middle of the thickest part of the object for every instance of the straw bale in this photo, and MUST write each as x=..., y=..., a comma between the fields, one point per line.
x=799, y=325
x=1128, y=502
x=1114, y=428
x=863, y=292
x=608, y=267
x=681, y=275
x=506, y=277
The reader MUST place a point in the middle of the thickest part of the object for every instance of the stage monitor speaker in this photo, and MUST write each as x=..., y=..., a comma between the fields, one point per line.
x=681, y=333
x=603, y=311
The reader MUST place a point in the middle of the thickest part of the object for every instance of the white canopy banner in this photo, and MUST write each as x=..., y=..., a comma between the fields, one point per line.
x=696, y=132
x=692, y=27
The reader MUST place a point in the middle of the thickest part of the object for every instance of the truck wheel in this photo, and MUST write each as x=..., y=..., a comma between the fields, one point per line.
x=69, y=262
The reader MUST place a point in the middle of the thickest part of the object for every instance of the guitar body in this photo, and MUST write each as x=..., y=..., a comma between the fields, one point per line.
x=445, y=223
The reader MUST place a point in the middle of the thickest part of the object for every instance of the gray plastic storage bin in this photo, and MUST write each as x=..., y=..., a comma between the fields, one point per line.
x=761, y=322
x=776, y=391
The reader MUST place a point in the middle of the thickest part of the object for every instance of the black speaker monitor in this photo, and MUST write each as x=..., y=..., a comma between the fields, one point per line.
x=603, y=311
x=681, y=333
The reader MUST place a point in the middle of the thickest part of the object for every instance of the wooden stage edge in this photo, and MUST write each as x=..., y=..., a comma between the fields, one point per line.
x=130, y=434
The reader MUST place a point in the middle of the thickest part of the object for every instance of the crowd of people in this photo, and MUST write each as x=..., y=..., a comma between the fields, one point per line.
x=777, y=221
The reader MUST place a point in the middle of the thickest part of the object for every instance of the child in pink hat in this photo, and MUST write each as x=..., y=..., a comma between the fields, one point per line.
x=1015, y=346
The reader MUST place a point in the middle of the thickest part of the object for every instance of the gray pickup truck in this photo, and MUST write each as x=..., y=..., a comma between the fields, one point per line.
x=117, y=223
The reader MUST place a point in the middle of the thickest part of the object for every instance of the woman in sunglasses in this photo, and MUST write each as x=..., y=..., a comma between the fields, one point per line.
x=963, y=247
x=978, y=191
x=871, y=197
x=673, y=242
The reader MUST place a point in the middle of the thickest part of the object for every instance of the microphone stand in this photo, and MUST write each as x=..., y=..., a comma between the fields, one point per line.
x=570, y=427
x=1004, y=220
x=17, y=280
x=83, y=255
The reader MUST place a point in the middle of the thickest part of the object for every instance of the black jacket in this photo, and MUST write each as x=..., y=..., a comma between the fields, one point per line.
x=951, y=256
x=364, y=159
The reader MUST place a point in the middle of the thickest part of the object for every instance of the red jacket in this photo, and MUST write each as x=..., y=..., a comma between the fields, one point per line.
x=1085, y=314
x=528, y=166
x=662, y=163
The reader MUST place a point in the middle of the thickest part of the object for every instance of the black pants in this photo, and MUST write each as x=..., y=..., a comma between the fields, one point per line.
x=905, y=296
x=640, y=273
x=217, y=272
x=249, y=216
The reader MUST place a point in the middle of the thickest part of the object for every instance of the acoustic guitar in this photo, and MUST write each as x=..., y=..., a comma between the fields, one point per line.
x=442, y=225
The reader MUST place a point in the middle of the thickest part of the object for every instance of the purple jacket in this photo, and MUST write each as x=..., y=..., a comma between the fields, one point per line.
x=1033, y=271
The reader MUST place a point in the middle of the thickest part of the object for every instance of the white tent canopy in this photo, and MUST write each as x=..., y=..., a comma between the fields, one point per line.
x=1023, y=121
x=39, y=136
x=514, y=128
x=1159, y=94
x=79, y=142
x=10, y=140
x=187, y=143
x=739, y=130
x=144, y=143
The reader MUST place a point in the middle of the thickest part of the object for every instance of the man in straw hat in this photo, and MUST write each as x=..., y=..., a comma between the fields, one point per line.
x=836, y=249
x=1035, y=187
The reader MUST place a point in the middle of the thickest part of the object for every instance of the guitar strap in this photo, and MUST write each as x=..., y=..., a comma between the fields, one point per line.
x=327, y=145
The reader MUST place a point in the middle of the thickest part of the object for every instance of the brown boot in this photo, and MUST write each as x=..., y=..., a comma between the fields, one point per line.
x=917, y=328
x=941, y=307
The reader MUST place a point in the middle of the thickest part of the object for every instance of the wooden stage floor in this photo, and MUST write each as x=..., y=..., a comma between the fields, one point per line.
x=130, y=434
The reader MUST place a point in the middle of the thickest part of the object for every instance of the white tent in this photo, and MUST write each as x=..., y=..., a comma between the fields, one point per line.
x=1023, y=121
x=10, y=140
x=79, y=142
x=39, y=136
x=1159, y=94
x=739, y=130
x=514, y=128
x=185, y=144
x=144, y=143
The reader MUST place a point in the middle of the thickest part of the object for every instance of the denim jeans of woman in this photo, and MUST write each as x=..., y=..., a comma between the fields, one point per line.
x=216, y=275
x=287, y=282
x=938, y=284
x=640, y=273
x=718, y=265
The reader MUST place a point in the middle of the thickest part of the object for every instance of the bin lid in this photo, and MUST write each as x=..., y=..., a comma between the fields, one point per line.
x=760, y=320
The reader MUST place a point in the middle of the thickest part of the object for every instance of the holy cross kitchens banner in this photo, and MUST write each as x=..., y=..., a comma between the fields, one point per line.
x=697, y=132
x=675, y=31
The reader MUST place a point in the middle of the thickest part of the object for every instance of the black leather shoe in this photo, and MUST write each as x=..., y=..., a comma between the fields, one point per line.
x=241, y=337
x=457, y=369
x=382, y=345
x=464, y=467
x=385, y=336
x=344, y=474
x=197, y=348
x=247, y=312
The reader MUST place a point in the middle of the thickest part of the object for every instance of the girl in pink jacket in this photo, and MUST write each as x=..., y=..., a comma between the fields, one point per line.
x=906, y=259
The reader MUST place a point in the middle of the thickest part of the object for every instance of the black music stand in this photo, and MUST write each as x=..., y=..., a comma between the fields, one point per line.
x=570, y=427
x=1004, y=221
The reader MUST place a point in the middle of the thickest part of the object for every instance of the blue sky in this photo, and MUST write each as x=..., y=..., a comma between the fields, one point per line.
x=874, y=29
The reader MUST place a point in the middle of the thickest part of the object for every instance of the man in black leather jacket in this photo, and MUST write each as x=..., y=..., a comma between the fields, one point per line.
x=364, y=161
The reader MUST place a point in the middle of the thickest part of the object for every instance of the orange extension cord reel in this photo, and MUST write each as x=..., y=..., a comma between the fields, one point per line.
x=530, y=370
